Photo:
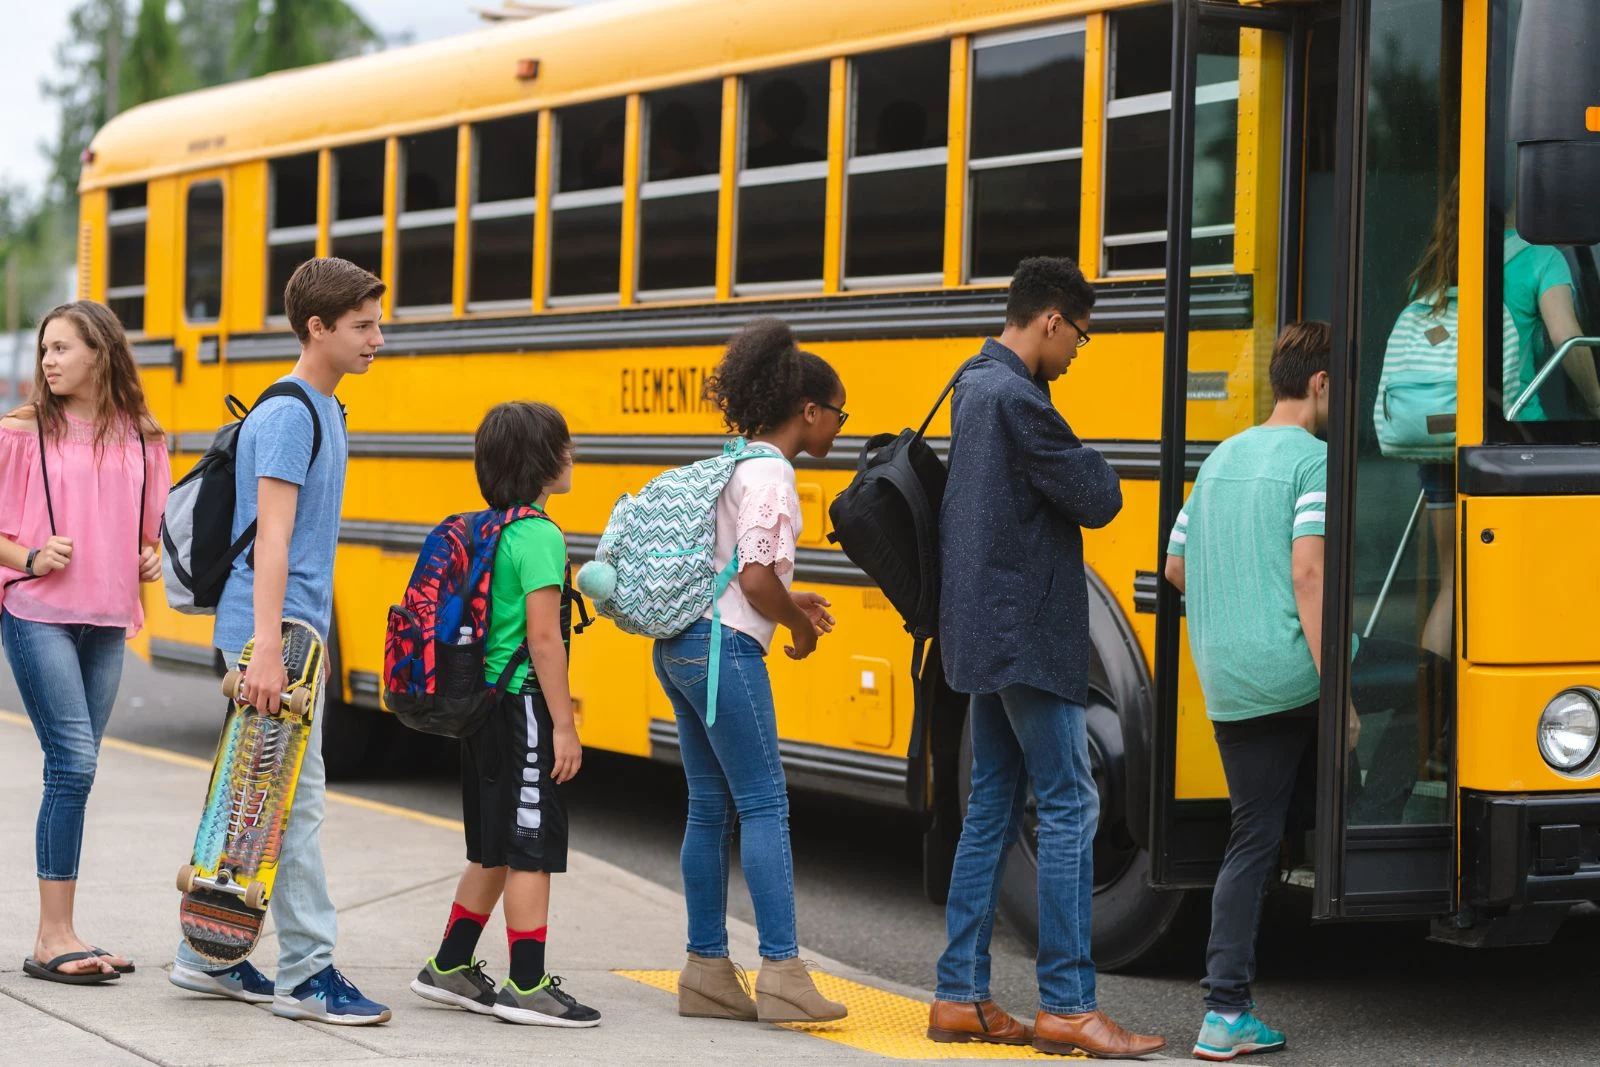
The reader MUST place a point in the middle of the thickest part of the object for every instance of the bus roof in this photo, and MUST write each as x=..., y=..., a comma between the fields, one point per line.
x=587, y=52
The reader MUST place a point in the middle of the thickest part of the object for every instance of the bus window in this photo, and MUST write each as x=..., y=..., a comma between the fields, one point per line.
x=783, y=180
x=1026, y=156
x=291, y=223
x=586, y=209
x=895, y=190
x=356, y=232
x=202, y=254
x=678, y=200
x=505, y=175
x=426, y=231
x=1138, y=121
x=125, y=225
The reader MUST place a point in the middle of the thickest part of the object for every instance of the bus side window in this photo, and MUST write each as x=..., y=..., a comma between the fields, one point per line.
x=291, y=223
x=1026, y=158
x=356, y=232
x=783, y=180
x=895, y=189
x=680, y=194
x=125, y=224
x=586, y=208
x=504, y=201
x=202, y=256
x=426, y=230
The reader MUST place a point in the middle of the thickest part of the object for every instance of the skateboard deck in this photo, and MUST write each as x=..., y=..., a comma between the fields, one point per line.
x=227, y=883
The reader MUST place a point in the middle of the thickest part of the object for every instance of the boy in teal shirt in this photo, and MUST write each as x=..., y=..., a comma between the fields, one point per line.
x=1247, y=550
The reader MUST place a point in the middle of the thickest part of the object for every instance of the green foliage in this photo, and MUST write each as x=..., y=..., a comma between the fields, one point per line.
x=154, y=65
x=283, y=34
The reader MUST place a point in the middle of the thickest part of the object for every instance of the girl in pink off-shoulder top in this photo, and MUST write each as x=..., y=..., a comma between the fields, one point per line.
x=83, y=480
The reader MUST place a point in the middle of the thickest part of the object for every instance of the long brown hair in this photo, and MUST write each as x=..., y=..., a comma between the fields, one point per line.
x=119, y=398
x=1436, y=275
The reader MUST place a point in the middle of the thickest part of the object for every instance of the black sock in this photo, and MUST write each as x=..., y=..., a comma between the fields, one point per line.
x=527, y=957
x=461, y=935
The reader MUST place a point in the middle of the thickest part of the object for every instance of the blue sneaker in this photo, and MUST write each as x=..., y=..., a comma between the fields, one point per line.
x=239, y=982
x=1222, y=1040
x=329, y=997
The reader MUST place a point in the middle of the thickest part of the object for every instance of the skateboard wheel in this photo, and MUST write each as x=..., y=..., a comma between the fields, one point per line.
x=230, y=684
x=299, y=702
x=255, y=896
x=186, y=878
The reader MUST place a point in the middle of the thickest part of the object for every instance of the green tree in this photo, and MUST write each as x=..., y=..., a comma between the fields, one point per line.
x=154, y=64
x=206, y=30
x=86, y=93
x=282, y=34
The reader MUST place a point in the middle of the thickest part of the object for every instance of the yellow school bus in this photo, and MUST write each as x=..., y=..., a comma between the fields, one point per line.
x=584, y=206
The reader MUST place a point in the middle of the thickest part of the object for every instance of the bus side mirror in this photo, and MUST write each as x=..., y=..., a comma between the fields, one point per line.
x=1555, y=122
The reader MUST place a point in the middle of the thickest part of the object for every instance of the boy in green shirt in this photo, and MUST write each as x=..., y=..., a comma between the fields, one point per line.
x=1247, y=550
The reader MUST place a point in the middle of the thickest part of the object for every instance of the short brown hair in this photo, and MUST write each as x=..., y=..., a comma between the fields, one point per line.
x=519, y=451
x=1300, y=355
x=325, y=289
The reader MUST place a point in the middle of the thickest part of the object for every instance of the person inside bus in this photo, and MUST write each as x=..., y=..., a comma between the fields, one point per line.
x=779, y=112
x=1247, y=551
x=675, y=144
x=1014, y=629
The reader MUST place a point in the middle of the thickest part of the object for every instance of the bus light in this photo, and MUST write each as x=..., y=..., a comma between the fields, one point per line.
x=527, y=69
x=1569, y=731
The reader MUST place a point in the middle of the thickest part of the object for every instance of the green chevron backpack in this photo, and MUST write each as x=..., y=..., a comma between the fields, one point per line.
x=652, y=573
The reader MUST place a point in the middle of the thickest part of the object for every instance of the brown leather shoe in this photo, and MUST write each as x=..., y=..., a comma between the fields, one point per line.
x=956, y=1023
x=1091, y=1032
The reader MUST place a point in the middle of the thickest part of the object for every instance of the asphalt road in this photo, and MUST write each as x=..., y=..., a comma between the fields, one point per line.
x=1346, y=994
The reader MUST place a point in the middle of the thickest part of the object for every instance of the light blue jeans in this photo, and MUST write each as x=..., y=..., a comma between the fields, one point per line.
x=68, y=676
x=735, y=777
x=1022, y=735
x=302, y=912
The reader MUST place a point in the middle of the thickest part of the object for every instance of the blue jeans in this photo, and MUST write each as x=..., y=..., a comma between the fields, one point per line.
x=306, y=921
x=68, y=675
x=1022, y=735
x=733, y=772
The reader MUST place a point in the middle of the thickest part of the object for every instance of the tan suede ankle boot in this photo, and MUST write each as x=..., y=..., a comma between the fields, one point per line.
x=711, y=988
x=786, y=994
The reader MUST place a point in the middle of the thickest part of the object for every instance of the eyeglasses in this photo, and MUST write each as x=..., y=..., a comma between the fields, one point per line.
x=844, y=416
x=1083, y=335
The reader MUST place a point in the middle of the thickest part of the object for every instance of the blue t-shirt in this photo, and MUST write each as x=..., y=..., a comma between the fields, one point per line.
x=276, y=443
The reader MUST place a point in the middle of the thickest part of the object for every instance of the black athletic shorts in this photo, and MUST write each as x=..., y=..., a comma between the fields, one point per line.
x=512, y=812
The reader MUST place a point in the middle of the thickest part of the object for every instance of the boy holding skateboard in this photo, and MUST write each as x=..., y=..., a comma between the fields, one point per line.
x=295, y=501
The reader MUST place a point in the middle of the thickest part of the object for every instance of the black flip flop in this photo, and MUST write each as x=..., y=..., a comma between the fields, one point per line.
x=126, y=968
x=51, y=972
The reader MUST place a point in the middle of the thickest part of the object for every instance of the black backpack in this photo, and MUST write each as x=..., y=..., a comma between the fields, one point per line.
x=197, y=525
x=887, y=522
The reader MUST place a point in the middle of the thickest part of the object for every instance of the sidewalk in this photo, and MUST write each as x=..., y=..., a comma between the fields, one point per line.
x=392, y=872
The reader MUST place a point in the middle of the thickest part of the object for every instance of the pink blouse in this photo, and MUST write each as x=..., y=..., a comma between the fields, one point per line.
x=759, y=513
x=96, y=501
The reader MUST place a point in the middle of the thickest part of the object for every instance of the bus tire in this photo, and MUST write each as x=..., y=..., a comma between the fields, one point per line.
x=349, y=733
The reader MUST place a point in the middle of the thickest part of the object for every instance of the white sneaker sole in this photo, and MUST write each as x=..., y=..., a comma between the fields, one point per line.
x=200, y=982
x=289, y=1008
x=528, y=1017
x=1207, y=1053
x=444, y=996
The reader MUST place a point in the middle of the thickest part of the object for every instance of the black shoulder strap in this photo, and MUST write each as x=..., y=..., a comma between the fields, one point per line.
x=44, y=468
x=290, y=389
x=948, y=389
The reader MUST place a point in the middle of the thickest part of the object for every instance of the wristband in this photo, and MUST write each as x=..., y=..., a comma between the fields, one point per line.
x=33, y=554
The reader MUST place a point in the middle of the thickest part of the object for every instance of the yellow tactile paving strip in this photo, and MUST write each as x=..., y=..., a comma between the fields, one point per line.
x=880, y=1022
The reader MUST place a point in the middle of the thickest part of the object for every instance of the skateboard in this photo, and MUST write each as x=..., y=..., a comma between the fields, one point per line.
x=227, y=883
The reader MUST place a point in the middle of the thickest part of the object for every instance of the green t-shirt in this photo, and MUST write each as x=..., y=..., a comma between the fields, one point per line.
x=1257, y=493
x=1530, y=272
x=532, y=555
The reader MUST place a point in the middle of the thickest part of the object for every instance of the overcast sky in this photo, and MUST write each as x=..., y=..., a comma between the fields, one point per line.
x=34, y=27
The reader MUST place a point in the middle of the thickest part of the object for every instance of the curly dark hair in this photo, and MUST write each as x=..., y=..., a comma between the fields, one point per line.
x=765, y=378
x=1048, y=283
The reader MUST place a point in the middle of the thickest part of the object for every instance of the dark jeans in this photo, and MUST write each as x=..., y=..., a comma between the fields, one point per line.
x=1265, y=759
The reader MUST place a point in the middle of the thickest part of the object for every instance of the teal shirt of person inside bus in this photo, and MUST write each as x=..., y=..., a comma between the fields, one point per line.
x=1530, y=272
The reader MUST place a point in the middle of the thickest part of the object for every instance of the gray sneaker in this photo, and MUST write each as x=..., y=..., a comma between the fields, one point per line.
x=546, y=1004
x=463, y=987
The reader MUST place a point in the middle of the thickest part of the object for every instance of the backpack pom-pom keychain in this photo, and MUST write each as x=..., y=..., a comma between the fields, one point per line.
x=597, y=580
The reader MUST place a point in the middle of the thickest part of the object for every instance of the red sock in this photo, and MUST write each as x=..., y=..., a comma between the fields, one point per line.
x=527, y=956
x=461, y=935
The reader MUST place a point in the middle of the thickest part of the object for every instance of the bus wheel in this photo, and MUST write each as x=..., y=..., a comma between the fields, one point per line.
x=349, y=733
x=1131, y=920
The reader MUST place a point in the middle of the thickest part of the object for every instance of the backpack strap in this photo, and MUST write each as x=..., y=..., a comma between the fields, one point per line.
x=948, y=389
x=247, y=539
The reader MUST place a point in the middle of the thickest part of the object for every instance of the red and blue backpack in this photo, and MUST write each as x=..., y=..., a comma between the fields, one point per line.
x=433, y=650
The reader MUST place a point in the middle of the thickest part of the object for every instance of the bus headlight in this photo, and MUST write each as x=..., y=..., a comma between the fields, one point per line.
x=1569, y=729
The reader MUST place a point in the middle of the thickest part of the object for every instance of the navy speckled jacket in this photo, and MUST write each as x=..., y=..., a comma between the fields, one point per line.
x=1014, y=603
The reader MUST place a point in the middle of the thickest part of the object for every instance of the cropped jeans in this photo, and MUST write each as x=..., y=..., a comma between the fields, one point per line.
x=734, y=775
x=68, y=675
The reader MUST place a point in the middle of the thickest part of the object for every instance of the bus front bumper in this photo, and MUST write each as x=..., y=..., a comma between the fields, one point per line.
x=1530, y=848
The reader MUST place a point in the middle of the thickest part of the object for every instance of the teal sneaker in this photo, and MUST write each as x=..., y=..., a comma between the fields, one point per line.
x=1221, y=1040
